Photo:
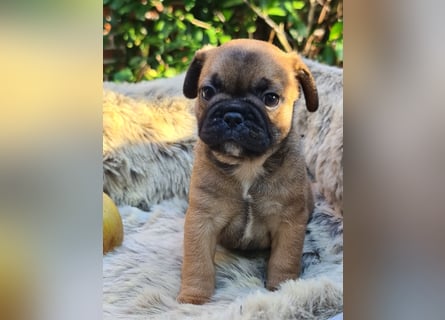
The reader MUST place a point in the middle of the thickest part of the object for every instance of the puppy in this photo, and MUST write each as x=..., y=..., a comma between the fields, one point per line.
x=249, y=188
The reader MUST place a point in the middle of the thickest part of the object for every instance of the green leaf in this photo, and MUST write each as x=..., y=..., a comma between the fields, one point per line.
x=151, y=74
x=168, y=59
x=290, y=10
x=328, y=55
x=268, y=4
x=232, y=3
x=336, y=31
x=179, y=14
x=339, y=49
x=298, y=5
x=181, y=26
x=294, y=33
x=212, y=36
x=251, y=29
x=278, y=12
x=116, y=4
x=135, y=61
x=189, y=4
x=125, y=9
x=299, y=30
x=228, y=14
x=170, y=72
x=124, y=75
x=189, y=17
x=198, y=35
x=224, y=38
x=159, y=26
x=132, y=33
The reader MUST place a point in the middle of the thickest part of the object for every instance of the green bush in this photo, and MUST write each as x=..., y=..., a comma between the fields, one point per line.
x=148, y=39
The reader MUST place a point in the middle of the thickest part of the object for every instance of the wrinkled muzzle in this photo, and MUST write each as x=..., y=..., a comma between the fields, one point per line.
x=236, y=127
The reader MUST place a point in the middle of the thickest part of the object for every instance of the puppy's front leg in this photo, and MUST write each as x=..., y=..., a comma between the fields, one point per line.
x=285, y=256
x=198, y=270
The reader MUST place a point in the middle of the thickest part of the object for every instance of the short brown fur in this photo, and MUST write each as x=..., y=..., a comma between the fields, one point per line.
x=244, y=201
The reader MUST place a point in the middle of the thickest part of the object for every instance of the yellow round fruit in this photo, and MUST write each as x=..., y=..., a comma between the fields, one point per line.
x=18, y=270
x=112, y=229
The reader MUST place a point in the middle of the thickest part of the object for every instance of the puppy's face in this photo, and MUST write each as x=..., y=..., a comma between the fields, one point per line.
x=246, y=91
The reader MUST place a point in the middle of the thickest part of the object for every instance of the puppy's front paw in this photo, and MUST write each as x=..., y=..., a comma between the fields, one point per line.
x=272, y=286
x=193, y=297
x=273, y=283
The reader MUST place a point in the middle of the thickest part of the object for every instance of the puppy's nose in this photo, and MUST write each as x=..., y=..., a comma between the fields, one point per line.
x=233, y=119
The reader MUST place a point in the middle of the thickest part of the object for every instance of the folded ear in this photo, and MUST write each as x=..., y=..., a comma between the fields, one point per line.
x=307, y=82
x=190, y=87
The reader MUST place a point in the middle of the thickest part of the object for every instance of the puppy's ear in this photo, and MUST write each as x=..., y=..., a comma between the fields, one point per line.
x=190, y=87
x=307, y=82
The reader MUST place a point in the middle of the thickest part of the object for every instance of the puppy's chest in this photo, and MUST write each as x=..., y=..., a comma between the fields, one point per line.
x=260, y=201
x=256, y=208
x=258, y=192
x=250, y=226
x=258, y=212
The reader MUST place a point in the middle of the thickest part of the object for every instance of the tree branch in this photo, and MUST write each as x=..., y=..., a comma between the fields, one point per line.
x=278, y=29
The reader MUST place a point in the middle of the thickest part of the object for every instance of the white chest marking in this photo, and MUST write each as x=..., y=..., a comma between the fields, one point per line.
x=245, y=185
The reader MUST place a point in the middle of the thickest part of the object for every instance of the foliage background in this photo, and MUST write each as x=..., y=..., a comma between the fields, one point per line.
x=149, y=39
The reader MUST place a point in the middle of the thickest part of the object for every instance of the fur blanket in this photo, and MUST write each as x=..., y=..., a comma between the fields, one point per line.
x=149, y=133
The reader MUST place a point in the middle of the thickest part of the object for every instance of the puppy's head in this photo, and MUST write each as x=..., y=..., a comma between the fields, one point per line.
x=246, y=91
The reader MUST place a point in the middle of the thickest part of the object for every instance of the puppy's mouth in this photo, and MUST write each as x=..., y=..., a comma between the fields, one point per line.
x=236, y=128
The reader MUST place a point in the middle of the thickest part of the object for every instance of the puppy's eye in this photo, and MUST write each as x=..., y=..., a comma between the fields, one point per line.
x=271, y=99
x=207, y=92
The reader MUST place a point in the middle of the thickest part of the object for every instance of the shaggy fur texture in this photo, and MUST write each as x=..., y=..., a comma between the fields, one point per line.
x=149, y=90
x=149, y=133
x=323, y=134
x=142, y=277
x=147, y=149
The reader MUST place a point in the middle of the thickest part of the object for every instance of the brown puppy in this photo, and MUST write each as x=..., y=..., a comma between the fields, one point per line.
x=249, y=188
